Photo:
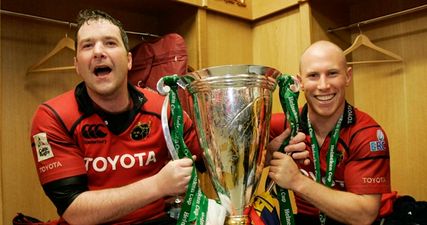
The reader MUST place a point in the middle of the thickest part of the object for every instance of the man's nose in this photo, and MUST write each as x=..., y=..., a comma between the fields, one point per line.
x=98, y=50
x=323, y=82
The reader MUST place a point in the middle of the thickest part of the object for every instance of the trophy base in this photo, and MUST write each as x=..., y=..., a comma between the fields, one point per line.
x=236, y=220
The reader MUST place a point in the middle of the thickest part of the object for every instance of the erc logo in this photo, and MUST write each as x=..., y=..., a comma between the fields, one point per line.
x=378, y=145
x=94, y=131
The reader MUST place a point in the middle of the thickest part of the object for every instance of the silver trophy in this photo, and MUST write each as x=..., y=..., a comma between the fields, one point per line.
x=231, y=106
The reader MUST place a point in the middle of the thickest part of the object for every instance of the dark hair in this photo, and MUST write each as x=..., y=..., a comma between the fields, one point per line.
x=87, y=15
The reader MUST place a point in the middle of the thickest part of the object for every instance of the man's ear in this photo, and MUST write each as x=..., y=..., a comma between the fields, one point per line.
x=129, y=60
x=300, y=81
x=349, y=76
x=75, y=65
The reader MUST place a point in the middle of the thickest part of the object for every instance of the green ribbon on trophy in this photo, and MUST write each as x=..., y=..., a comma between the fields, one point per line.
x=195, y=205
x=288, y=95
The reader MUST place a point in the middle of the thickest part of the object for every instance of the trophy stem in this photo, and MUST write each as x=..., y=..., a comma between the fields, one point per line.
x=237, y=220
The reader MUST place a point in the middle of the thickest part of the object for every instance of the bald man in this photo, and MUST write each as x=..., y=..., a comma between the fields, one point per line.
x=348, y=150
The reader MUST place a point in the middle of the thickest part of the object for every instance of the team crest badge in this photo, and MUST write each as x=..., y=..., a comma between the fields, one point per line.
x=140, y=131
x=340, y=156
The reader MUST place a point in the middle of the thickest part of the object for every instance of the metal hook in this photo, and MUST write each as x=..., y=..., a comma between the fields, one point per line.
x=360, y=30
x=296, y=86
x=69, y=29
x=162, y=88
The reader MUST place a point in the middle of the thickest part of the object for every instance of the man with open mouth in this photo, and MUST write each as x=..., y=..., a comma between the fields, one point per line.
x=99, y=149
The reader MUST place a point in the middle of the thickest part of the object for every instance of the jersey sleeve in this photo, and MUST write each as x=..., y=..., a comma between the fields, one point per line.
x=55, y=153
x=368, y=168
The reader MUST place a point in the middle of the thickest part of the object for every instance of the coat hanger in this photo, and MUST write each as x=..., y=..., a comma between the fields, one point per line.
x=363, y=40
x=64, y=43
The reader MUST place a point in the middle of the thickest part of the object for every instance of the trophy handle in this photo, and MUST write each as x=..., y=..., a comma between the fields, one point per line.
x=164, y=90
x=165, y=127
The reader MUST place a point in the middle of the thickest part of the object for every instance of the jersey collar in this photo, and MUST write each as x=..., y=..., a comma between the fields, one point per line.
x=348, y=119
x=86, y=104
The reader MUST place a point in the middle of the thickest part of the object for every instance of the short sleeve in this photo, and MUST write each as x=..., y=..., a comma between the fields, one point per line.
x=368, y=168
x=55, y=153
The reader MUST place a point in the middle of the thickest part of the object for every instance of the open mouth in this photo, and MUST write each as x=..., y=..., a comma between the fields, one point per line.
x=102, y=70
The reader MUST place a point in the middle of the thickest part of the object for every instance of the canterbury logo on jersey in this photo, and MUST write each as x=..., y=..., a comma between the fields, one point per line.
x=126, y=161
x=94, y=131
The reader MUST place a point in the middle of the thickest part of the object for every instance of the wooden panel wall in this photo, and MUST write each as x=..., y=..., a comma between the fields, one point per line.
x=279, y=41
x=23, y=44
x=1, y=130
x=394, y=94
x=228, y=40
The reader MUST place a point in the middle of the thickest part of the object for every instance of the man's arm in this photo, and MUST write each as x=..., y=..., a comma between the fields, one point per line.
x=346, y=207
x=342, y=206
x=100, y=206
